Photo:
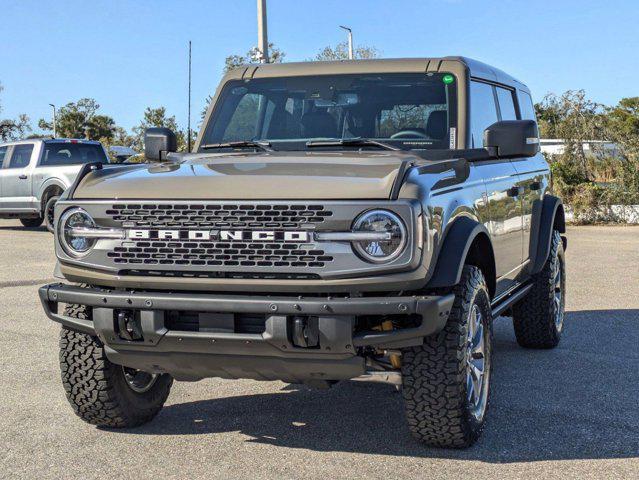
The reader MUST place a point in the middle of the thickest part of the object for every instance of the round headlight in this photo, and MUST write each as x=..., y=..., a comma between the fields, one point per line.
x=380, y=221
x=73, y=243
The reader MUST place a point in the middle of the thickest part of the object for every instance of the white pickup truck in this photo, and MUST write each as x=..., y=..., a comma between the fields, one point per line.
x=34, y=173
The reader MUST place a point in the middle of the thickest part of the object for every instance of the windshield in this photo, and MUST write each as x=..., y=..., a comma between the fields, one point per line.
x=409, y=111
x=66, y=153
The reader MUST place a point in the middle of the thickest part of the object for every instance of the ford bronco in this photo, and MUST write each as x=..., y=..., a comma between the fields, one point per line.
x=355, y=220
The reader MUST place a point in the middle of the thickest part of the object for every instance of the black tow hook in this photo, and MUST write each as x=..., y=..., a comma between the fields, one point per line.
x=305, y=331
x=129, y=327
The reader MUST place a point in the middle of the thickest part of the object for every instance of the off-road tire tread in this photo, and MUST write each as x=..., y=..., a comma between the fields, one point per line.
x=434, y=375
x=90, y=382
x=533, y=316
x=45, y=217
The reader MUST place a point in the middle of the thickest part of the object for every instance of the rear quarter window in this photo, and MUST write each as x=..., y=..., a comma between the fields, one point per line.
x=526, y=106
x=506, y=104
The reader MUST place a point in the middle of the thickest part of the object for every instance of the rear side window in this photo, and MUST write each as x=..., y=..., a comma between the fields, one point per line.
x=483, y=111
x=506, y=104
x=3, y=153
x=526, y=106
x=21, y=156
x=56, y=154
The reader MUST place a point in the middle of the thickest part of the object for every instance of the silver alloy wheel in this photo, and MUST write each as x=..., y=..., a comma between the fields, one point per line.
x=477, y=364
x=558, y=295
x=139, y=381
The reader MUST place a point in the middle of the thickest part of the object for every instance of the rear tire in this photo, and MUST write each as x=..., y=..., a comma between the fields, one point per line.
x=445, y=397
x=103, y=393
x=31, y=222
x=539, y=317
x=48, y=213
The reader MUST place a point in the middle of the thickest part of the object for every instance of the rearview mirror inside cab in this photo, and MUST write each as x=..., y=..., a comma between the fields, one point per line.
x=513, y=138
x=158, y=142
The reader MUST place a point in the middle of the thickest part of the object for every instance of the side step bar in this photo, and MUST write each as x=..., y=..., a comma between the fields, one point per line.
x=502, y=304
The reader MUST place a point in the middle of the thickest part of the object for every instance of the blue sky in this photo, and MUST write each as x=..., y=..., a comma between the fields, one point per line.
x=132, y=54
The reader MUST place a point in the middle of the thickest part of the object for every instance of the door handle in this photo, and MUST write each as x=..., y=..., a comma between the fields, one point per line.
x=535, y=186
x=515, y=191
x=23, y=177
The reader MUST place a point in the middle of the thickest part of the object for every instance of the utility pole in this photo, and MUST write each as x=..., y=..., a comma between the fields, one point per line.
x=262, y=34
x=188, y=128
x=55, y=133
x=350, y=41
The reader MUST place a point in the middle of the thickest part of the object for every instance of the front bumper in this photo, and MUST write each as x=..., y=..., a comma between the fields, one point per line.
x=271, y=355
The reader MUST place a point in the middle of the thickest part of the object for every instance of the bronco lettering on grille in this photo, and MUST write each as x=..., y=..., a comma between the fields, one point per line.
x=225, y=235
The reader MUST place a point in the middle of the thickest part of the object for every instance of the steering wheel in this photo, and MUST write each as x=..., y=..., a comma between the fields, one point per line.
x=408, y=133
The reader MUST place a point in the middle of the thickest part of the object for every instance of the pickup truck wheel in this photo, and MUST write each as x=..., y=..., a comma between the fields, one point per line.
x=48, y=212
x=103, y=393
x=539, y=317
x=446, y=381
x=31, y=222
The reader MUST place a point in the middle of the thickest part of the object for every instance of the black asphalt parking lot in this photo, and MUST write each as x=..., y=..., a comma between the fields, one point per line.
x=564, y=413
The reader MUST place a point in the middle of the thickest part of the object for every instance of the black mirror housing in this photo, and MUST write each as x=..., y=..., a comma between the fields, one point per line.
x=513, y=138
x=158, y=142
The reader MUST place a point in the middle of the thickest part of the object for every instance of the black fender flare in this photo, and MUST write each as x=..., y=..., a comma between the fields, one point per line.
x=454, y=252
x=550, y=217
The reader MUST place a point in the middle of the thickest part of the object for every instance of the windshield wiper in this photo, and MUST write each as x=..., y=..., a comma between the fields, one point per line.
x=350, y=142
x=266, y=146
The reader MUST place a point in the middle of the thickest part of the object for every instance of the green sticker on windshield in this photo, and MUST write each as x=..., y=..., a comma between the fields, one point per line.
x=448, y=79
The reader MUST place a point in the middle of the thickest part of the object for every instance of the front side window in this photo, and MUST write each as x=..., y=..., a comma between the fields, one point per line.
x=21, y=156
x=410, y=111
x=483, y=111
x=58, y=153
x=3, y=153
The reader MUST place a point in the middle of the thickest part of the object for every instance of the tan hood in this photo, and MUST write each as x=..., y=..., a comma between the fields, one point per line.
x=261, y=176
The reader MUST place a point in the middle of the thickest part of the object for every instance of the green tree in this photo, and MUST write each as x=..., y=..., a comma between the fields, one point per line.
x=157, y=117
x=13, y=129
x=275, y=55
x=81, y=120
x=575, y=119
x=623, y=124
x=340, y=52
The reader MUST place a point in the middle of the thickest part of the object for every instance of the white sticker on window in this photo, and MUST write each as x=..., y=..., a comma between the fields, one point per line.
x=453, y=138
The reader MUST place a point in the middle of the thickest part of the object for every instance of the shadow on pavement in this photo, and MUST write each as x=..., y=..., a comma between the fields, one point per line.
x=578, y=401
x=19, y=228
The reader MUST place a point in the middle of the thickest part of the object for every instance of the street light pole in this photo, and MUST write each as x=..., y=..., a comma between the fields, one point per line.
x=350, y=41
x=55, y=133
x=188, y=128
x=262, y=33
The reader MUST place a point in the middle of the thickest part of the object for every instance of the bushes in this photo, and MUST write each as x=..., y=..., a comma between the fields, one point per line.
x=615, y=186
x=598, y=185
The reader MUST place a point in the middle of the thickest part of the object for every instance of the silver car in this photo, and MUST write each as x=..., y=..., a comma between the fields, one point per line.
x=34, y=173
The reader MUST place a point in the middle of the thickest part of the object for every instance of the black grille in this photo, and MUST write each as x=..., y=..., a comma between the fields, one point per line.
x=218, y=215
x=220, y=254
x=215, y=322
x=218, y=274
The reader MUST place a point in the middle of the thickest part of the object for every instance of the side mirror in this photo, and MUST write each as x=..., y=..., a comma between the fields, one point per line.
x=159, y=141
x=512, y=138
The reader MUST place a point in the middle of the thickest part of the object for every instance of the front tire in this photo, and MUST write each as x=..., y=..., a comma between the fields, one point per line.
x=103, y=393
x=31, y=222
x=446, y=381
x=49, y=211
x=539, y=317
